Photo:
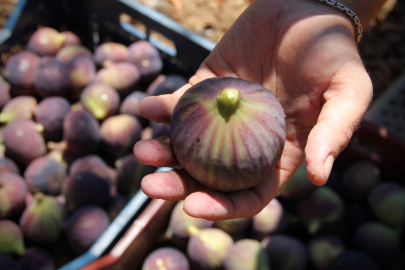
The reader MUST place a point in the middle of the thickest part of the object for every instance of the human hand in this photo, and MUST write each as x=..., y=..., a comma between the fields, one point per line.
x=305, y=53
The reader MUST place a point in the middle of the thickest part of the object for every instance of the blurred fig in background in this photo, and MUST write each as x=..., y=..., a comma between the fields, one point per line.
x=130, y=105
x=323, y=251
x=46, y=41
x=70, y=39
x=298, y=185
x=82, y=72
x=115, y=205
x=8, y=165
x=13, y=190
x=11, y=238
x=166, y=85
x=21, y=107
x=235, y=227
x=167, y=258
x=247, y=254
x=7, y=263
x=354, y=260
x=52, y=77
x=36, y=258
x=110, y=52
x=5, y=95
x=68, y=53
x=159, y=129
x=93, y=164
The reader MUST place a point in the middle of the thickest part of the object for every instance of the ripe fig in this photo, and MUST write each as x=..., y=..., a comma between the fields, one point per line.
x=68, y=53
x=130, y=105
x=13, y=190
x=41, y=221
x=45, y=175
x=85, y=226
x=115, y=205
x=101, y=100
x=298, y=185
x=8, y=165
x=82, y=72
x=167, y=258
x=93, y=164
x=354, y=260
x=111, y=52
x=50, y=114
x=286, y=252
x=387, y=202
x=234, y=226
x=5, y=93
x=119, y=134
x=247, y=254
x=23, y=141
x=11, y=238
x=7, y=263
x=147, y=58
x=46, y=41
x=166, y=85
x=21, y=107
x=323, y=251
x=52, y=77
x=37, y=259
x=70, y=39
x=207, y=248
x=228, y=133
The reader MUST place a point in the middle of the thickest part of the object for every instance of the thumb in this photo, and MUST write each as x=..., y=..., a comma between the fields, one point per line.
x=347, y=99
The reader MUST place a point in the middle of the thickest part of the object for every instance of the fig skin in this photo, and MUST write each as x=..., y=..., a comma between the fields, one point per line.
x=111, y=52
x=323, y=251
x=130, y=105
x=354, y=260
x=166, y=84
x=13, y=190
x=167, y=258
x=93, y=164
x=37, y=259
x=8, y=263
x=247, y=254
x=23, y=141
x=68, y=53
x=50, y=113
x=82, y=72
x=52, y=77
x=11, y=238
x=46, y=41
x=228, y=133
x=45, y=175
x=21, y=107
x=41, y=221
x=297, y=186
x=70, y=39
x=5, y=95
x=8, y=165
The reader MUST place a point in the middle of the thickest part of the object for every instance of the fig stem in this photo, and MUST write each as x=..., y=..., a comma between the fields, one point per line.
x=228, y=102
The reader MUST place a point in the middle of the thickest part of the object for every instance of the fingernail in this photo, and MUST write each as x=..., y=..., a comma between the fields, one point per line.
x=327, y=166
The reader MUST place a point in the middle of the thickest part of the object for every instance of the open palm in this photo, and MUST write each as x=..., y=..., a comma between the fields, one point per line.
x=303, y=52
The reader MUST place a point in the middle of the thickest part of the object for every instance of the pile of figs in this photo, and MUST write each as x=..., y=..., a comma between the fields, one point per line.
x=355, y=222
x=69, y=119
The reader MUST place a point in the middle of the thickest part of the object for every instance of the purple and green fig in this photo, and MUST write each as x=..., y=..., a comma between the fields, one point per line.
x=85, y=188
x=41, y=221
x=37, y=259
x=319, y=209
x=93, y=164
x=24, y=141
x=13, y=190
x=82, y=72
x=7, y=263
x=354, y=260
x=5, y=95
x=228, y=133
x=234, y=226
x=123, y=77
x=21, y=107
x=70, y=39
x=387, y=202
x=115, y=205
x=85, y=226
x=130, y=105
x=286, y=252
x=247, y=254
x=8, y=165
x=45, y=175
x=359, y=179
x=119, y=134
x=166, y=84
x=298, y=185
x=52, y=77
x=147, y=58
x=101, y=100
x=167, y=258
x=50, y=114
x=207, y=248
x=46, y=41
x=11, y=238
x=68, y=53
x=323, y=251
x=110, y=52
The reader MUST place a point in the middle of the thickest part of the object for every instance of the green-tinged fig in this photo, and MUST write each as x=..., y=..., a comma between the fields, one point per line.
x=13, y=190
x=354, y=260
x=147, y=58
x=82, y=72
x=93, y=164
x=11, y=238
x=167, y=258
x=159, y=129
x=387, y=202
x=130, y=105
x=115, y=205
x=166, y=85
x=323, y=251
x=8, y=165
x=45, y=175
x=41, y=221
x=85, y=188
x=359, y=179
x=50, y=114
x=180, y=222
x=379, y=242
x=52, y=77
x=46, y=41
x=129, y=175
x=68, y=53
x=111, y=52
x=123, y=77
x=286, y=252
x=21, y=107
x=298, y=185
x=320, y=208
x=101, y=100
x=207, y=248
x=119, y=134
x=24, y=141
x=70, y=39
x=7, y=263
x=85, y=226
x=228, y=133
x=5, y=95
x=37, y=259
x=234, y=226
x=247, y=254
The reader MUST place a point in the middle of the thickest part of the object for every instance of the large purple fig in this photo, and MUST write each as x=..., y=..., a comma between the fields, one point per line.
x=13, y=190
x=71, y=39
x=247, y=254
x=167, y=258
x=52, y=77
x=7, y=263
x=225, y=135
x=37, y=259
x=166, y=85
x=45, y=175
x=354, y=260
x=11, y=238
x=68, y=53
x=46, y=41
x=93, y=164
x=323, y=251
x=21, y=107
x=110, y=52
x=8, y=165
x=5, y=95
x=23, y=141
x=130, y=105
x=298, y=185
x=41, y=221
x=85, y=226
